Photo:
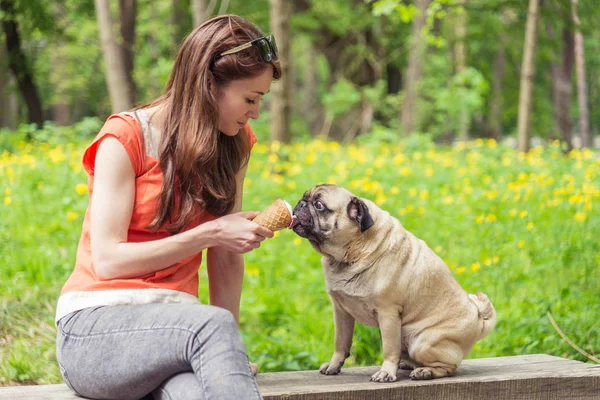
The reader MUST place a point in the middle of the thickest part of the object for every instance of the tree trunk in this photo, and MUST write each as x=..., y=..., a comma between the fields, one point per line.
x=202, y=10
x=282, y=94
x=127, y=14
x=9, y=100
x=527, y=77
x=561, y=87
x=414, y=69
x=582, y=101
x=18, y=64
x=116, y=72
x=181, y=21
x=460, y=59
x=310, y=99
x=495, y=111
x=3, y=97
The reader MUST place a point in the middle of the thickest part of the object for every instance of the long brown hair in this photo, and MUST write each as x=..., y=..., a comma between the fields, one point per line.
x=196, y=160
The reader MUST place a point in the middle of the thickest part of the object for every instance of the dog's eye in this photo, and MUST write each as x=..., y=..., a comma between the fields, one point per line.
x=319, y=206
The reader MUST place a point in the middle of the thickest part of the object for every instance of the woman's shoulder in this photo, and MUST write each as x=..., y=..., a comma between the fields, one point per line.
x=126, y=129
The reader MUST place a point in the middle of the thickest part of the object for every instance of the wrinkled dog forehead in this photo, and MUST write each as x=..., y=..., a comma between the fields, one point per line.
x=335, y=197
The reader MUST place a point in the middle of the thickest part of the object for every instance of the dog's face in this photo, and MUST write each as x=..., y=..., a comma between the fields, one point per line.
x=330, y=217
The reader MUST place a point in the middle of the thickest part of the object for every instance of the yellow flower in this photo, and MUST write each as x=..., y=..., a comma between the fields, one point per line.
x=275, y=146
x=7, y=192
x=311, y=158
x=297, y=241
x=521, y=244
x=380, y=199
x=437, y=249
x=479, y=219
x=424, y=194
x=273, y=158
x=475, y=266
x=530, y=226
x=513, y=212
x=491, y=218
x=496, y=259
x=460, y=270
x=81, y=188
x=291, y=185
x=253, y=271
x=580, y=217
x=412, y=192
x=429, y=171
x=488, y=261
x=523, y=214
x=276, y=234
x=492, y=143
x=448, y=200
x=7, y=200
x=394, y=190
x=405, y=171
x=72, y=215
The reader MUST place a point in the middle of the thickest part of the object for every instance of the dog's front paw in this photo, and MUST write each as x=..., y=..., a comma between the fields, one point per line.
x=385, y=374
x=329, y=369
x=421, y=374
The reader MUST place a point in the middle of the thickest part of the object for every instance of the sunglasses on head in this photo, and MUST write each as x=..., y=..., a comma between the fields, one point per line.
x=266, y=46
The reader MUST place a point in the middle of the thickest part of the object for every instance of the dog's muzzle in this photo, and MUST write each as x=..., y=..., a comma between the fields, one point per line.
x=303, y=226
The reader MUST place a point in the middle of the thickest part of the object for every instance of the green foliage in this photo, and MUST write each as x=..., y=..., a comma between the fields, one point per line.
x=341, y=98
x=521, y=228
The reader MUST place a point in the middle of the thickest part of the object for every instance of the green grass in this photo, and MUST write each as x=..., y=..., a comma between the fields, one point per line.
x=523, y=229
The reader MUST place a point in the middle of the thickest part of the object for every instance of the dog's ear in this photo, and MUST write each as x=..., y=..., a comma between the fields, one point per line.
x=359, y=212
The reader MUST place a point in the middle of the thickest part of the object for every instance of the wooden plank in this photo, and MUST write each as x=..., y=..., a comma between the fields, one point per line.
x=530, y=377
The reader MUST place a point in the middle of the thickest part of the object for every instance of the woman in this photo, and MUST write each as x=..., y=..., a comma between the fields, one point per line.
x=165, y=183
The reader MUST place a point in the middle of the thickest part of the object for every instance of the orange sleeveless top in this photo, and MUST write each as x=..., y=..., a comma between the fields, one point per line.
x=176, y=284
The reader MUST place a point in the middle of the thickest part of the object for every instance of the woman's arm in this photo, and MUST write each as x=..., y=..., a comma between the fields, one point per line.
x=226, y=269
x=111, y=209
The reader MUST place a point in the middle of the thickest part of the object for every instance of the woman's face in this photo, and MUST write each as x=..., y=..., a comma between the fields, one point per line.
x=239, y=100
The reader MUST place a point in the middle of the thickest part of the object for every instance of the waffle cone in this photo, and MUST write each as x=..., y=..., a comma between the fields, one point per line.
x=275, y=217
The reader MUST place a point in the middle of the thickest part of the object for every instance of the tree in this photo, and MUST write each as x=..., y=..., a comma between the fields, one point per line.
x=19, y=64
x=281, y=102
x=494, y=123
x=414, y=70
x=561, y=85
x=202, y=10
x=584, y=128
x=116, y=68
x=9, y=103
x=460, y=60
x=127, y=13
x=527, y=77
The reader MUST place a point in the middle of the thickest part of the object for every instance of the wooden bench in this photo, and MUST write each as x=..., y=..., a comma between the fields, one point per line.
x=539, y=377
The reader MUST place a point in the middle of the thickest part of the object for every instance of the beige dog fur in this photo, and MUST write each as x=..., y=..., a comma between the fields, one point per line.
x=384, y=276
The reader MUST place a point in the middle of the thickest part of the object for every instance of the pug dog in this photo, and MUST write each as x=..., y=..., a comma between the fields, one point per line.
x=379, y=274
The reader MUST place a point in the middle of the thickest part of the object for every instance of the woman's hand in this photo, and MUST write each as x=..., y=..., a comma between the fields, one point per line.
x=238, y=234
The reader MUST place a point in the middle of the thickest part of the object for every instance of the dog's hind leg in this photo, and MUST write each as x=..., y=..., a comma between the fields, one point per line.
x=437, y=359
x=406, y=363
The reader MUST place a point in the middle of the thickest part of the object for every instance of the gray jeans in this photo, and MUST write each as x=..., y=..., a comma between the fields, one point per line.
x=174, y=351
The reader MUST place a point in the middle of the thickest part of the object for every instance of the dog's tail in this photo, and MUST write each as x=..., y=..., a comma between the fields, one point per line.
x=486, y=312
